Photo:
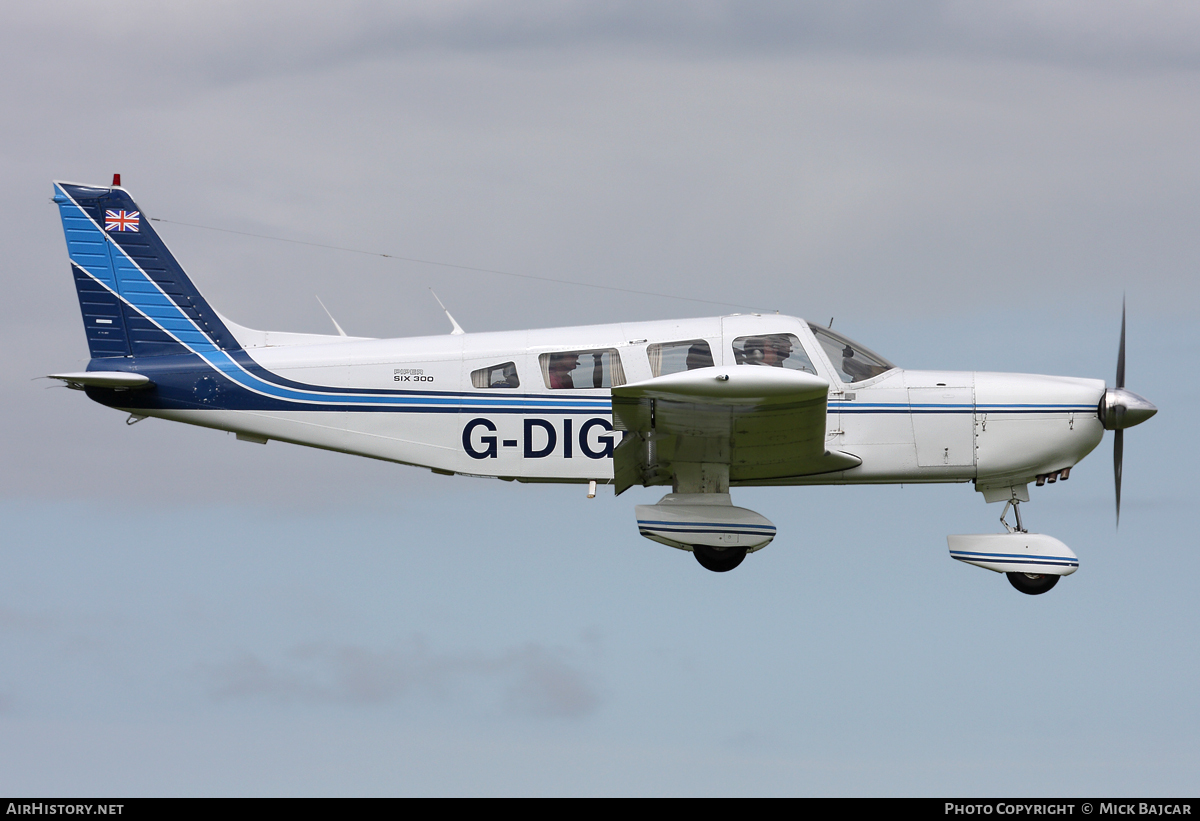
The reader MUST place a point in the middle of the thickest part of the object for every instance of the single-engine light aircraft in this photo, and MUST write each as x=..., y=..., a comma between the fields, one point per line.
x=699, y=406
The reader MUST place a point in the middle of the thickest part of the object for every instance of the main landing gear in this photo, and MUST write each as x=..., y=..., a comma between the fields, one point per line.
x=718, y=534
x=1032, y=584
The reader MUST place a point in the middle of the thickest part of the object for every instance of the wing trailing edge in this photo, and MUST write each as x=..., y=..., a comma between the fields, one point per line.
x=727, y=425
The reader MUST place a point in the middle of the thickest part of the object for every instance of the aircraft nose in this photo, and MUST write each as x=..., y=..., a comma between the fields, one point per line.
x=1121, y=408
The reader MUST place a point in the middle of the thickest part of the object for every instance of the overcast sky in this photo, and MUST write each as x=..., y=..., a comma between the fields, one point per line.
x=960, y=185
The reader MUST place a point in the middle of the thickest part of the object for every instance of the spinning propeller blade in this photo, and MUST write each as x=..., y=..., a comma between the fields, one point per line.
x=1119, y=434
x=1121, y=350
x=1118, y=452
x=1120, y=409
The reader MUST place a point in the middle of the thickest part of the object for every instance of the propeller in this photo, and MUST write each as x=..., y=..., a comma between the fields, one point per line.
x=1120, y=409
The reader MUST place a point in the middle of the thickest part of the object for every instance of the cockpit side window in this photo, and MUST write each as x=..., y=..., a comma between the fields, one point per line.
x=572, y=370
x=852, y=361
x=774, y=350
x=676, y=357
x=497, y=376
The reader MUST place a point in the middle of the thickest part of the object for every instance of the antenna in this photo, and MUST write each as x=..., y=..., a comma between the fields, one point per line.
x=331, y=319
x=457, y=328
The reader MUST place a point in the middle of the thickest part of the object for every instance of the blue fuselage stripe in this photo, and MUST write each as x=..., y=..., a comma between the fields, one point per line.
x=87, y=247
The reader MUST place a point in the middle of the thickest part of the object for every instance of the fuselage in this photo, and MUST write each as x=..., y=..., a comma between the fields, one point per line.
x=499, y=404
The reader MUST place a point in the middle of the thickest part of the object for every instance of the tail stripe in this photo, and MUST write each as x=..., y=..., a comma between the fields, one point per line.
x=227, y=366
x=94, y=252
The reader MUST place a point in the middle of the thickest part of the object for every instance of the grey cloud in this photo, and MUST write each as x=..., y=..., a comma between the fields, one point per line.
x=535, y=680
x=232, y=42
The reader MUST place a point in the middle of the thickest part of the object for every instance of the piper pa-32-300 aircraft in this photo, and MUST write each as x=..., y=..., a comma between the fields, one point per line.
x=697, y=405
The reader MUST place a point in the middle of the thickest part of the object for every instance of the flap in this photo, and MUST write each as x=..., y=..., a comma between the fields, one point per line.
x=762, y=423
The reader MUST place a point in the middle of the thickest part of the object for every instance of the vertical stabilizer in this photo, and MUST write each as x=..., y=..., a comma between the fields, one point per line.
x=135, y=298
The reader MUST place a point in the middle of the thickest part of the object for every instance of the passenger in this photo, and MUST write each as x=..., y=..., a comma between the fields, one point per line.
x=508, y=378
x=752, y=351
x=767, y=350
x=699, y=356
x=560, y=367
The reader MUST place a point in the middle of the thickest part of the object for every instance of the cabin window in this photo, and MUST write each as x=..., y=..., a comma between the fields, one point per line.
x=497, y=376
x=676, y=357
x=774, y=350
x=566, y=370
x=852, y=361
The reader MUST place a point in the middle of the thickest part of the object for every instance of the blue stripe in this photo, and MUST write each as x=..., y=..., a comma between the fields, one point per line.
x=246, y=376
x=703, y=524
x=900, y=407
x=126, y=280
x=1014, y=558
x=710, y=531
x=731, y=529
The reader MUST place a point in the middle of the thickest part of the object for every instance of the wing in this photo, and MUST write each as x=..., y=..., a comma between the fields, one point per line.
x=758, y=423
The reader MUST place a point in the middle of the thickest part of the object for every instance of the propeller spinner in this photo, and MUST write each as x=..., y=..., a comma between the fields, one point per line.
x=1120, y=409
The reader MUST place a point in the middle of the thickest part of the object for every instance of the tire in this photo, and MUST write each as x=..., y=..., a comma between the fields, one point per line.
x=1032, y=584
x=718, y=559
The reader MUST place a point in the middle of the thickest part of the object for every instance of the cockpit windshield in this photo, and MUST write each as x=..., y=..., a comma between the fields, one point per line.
x=852, y=361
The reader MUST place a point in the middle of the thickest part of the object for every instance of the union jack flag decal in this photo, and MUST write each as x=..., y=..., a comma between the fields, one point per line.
x=121, y=220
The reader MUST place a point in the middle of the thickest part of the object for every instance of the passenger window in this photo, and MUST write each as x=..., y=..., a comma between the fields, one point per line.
x=774, y=350
x=568, y=370
x=676, y=357
x=497, y=376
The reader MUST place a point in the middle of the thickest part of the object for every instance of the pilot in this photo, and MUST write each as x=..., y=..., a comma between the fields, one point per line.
x=856, y=369
x=699, y=356
x=776, y=351
x=561, y=365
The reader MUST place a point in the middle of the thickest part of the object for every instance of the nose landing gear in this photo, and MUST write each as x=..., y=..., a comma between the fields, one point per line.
x=1031, y=584
x=1015, y=504
x=1033, y=562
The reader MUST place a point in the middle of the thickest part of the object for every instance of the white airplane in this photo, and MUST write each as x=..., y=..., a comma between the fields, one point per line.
x=696, y=405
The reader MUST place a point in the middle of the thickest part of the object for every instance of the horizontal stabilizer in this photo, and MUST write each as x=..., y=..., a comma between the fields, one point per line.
x=104, y=379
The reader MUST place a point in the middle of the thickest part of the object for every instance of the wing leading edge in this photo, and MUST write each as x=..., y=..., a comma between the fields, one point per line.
x=711, y=427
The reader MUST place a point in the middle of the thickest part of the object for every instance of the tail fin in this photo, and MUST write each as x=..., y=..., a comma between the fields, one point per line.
x=136, y=299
